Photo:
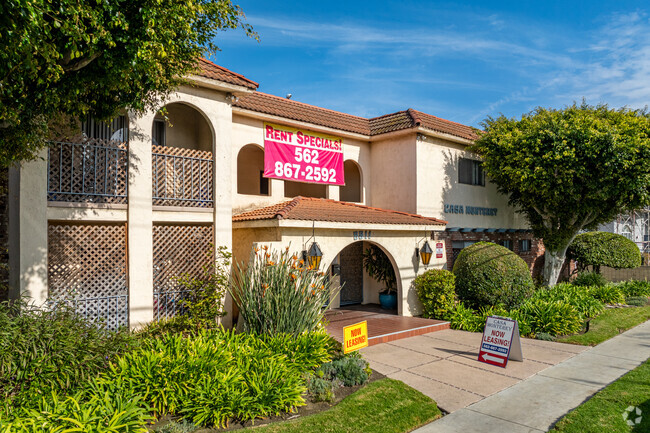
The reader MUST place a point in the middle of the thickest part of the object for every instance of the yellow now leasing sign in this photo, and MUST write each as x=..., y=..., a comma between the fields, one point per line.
x=355, y=337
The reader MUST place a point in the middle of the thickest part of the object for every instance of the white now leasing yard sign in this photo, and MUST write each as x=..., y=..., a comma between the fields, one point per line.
x=500, y=342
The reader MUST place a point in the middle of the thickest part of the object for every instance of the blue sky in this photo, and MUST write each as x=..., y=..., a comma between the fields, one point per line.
x=460, y=61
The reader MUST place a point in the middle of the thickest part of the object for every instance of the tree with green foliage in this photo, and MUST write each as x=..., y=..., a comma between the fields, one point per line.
x=598, y=249
x=65, y=59
x=568, y=170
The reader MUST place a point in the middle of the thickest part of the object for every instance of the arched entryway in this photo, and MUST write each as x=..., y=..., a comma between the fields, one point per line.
x=358, y=288
x=250, y=171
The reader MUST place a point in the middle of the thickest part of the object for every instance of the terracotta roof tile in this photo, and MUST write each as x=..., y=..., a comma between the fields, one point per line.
x=274, y=105
x=391, y=122
x=208, y=69
x=446, y=126
x=318, y=209
x=287, y=108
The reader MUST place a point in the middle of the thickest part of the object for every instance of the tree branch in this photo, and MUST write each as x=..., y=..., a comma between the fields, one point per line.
x=80, y=64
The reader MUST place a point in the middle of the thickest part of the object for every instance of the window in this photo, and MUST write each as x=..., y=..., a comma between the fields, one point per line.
x=264, y=184
x=470, y=172
x=158, y=133
x=116, y=129
x=507, y=243
x=524, y=245
x=250, y=171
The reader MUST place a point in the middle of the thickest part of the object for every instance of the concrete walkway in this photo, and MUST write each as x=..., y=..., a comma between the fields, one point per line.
x=444, y=365
x=537, y=403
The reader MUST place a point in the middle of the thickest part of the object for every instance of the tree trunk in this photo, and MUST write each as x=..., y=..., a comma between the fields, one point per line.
x=553, y=261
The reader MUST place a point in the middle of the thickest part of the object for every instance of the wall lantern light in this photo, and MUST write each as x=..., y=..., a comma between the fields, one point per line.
x=425, y=253
x=314, y=255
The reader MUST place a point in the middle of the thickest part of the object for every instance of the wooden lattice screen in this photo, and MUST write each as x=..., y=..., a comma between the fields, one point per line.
x=177, y=249
x=87, y=170
x=87, y=270
x=182, y=177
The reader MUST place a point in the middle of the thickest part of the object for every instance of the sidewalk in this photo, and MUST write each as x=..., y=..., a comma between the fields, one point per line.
x=537, y=403
x=444, y=365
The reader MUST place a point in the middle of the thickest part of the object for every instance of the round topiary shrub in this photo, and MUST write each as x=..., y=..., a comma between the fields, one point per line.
x=489, y=274
x=598, y=249
x=436, y=289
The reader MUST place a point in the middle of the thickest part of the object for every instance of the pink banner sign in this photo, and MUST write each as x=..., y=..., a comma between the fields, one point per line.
x=302, y=156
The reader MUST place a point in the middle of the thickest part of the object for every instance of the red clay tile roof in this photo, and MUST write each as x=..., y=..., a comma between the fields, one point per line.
x=411, y=118
x=320, y=209
x=208, y=69
x=289, y=109
x=283, y=107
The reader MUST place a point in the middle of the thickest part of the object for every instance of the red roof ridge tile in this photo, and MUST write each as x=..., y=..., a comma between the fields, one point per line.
x=415, y=116
x=284, y=210
x=442, y=119
x=388, y=115
x=309, y=105
x=203, y=59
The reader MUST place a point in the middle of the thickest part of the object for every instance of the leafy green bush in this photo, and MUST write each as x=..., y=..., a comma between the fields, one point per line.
x=634, y=288
x=544, y=337
x=279, y=294
x=598, y=249
x=489, y=274
x=463, y=318
x=589, y=279
x=552, y=317
x=45, y=351
x=579, y=297
x=320, y=388
x=215, y=376
x=436, y=289
x=637, y=301
x=351, y=369
x=202, y=301
x=91, y=411
x=183, y=426
x=609, y=294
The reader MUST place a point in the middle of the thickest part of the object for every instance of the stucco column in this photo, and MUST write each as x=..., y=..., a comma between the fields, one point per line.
x=333, y=192
x=220, y=117
x=28, y=230
x=140, y=225
x=277, y=189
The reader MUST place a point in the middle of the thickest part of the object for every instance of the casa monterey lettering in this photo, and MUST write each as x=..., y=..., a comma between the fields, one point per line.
x=470, y=210
x=500, y=342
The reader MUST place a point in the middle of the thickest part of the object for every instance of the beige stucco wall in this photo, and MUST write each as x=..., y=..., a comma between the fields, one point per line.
x=247, y=130
x=393, y=168
x=398, y=244
x=437, y=185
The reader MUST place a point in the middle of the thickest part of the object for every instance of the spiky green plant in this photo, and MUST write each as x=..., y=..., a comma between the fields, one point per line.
x=279, y=293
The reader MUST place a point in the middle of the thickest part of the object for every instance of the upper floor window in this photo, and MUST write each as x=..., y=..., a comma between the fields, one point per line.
x=116, y=129
x=507, y=243
x=158, y=132
x=524, y=245
x=470, y=172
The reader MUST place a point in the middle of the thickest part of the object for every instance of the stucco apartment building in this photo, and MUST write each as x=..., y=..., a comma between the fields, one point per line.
x=106, y=222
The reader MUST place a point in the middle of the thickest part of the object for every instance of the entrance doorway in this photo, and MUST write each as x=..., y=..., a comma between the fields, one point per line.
x=351, y=262
x=359, y=291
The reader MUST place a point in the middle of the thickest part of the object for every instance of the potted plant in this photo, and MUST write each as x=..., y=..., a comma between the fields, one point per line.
x=378, y=266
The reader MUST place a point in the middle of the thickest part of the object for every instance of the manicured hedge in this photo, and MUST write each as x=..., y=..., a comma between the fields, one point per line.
x=489, y=274
x=436, y=291
x=604, y=249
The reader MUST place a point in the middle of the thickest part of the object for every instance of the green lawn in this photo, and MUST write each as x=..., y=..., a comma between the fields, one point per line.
x=384, y=406
x=609, y=324
x=604, y=412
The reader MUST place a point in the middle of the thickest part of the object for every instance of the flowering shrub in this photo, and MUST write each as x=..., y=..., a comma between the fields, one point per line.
x=279, y=293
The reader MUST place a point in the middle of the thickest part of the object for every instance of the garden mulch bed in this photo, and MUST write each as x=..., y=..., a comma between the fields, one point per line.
x=308, y=409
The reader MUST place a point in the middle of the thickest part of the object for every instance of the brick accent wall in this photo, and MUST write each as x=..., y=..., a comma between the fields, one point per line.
x=351, y=259
x=534, y=257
